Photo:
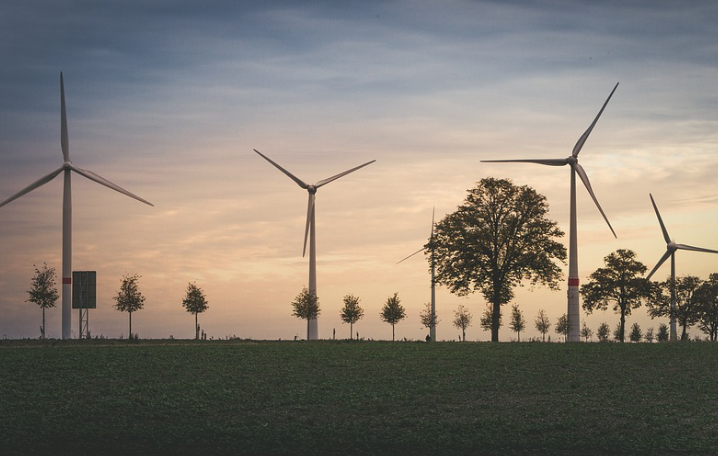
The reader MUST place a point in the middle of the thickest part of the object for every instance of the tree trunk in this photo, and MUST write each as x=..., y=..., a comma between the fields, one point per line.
x=622, y=330
x=130, y=324
x=42, y=333
x=463, y=335
x=392, y=332
x=495, y=320
x=196, y=327
x=351, y=331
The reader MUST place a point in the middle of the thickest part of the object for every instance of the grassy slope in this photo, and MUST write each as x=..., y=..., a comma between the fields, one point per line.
x=359, y=398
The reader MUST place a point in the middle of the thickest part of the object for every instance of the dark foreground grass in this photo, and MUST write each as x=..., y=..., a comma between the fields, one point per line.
x=369, y=398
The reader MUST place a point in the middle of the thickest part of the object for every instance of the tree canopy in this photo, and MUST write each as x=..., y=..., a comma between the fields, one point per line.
x=195, y=303
x=43, y=291
x=351, y=312
x=462, y=320
x=498, y=238
x=687, y=307
x=392, y=312
x=620, y=284
x=129, y=298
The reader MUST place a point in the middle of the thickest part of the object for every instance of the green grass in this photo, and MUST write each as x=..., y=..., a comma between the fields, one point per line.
x=369, y=398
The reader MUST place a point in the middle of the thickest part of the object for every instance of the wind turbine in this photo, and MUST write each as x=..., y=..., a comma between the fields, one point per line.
x=432, y=328
x=574, y=316
x=310, y=231
x=67, y=168
x=671, y=248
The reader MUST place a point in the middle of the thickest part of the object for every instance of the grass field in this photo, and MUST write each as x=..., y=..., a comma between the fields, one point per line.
x=369, y=398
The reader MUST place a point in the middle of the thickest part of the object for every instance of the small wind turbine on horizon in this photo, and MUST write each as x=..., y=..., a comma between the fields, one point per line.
x=310, y=230
x=68, y=167
x=671, y=248
x=574, y=316
x=432, y=328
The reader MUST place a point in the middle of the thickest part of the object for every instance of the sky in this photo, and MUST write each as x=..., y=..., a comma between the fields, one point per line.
x=168, y=98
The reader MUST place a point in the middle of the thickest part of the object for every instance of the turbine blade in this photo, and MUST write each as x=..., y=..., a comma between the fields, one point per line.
x=290, y=175
x=333, y=178
x=38, y=183
x=101, y=180
x=584, y=178
x=584, y=137
x=64, y=140
x=666, y=237
x=433, y=211
x=660, y=262
x=418, y=251
x=695, y=249
x=547, y=161
x=310, y=211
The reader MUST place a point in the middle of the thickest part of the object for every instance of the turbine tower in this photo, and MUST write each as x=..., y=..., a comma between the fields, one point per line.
x=67, y=168
x=432, y=328
x=671, y=248
x=574, y=329
x=310, y=231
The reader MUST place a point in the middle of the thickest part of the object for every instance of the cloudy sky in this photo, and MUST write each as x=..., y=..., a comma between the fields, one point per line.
x=168, y=99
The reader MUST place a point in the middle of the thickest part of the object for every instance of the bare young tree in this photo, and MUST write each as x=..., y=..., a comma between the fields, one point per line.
x=462, y=320
x=542, y=323
x=427, y=317
x=128, y=298
x=562, y=326
x=351, y=312
x=43, y=291
x=586, y=332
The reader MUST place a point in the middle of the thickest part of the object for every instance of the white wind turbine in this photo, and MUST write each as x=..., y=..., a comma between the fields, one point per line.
x=432, y=328
x=67, y=167
x=310, y=231
x=671, y=248
x=574, y=316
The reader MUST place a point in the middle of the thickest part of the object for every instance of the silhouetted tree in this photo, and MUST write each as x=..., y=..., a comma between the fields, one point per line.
x=351, y=312
x=586, y=332
x=662, y=335
x=603, y=332
x=543, y=325
x=562, y=326
x=649, y=336
x=129, y=298
x=687, y=306
x=393, y=312
x=499, y=237
x=708, y=307
x=462, y=320
x=487, y=319
x=619, y=284
x=636, y=334
x=195, y=303
x=427, y=317
x=43, y=291
x=518, y=323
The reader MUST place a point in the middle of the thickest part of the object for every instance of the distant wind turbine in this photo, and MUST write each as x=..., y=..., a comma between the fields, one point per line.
x=671, y=248
x=67, y=167
x=574, y=316
x=310, y=231
x=432, y=328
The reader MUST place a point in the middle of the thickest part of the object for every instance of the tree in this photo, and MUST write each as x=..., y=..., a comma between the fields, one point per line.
x=306, y=306
x=428, y=318
x=351, y=312
x=707, y=311
x=518, y=323
x=586, y=332
x=498, y=238
x=648, y=336
x=129, y=298
x=462, y=320
x=487, y=319
x=619, y=284
x=43, y=291
x=602, y=332
x=543, y=325
x=662, y=335
x=195, y=303
x=562, y=326
x=636, y=334
x=392, y=312
x=687, y=302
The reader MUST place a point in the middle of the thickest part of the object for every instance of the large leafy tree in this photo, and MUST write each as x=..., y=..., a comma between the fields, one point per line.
x=392, y=312
x=498, y=238
x=687, y=307
x=195, y=303
x=351, y=312
x=306, y=306
x=708, y=307
x=462, y=320
x=43, y=291
x=129, y=298
x=619, y=284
